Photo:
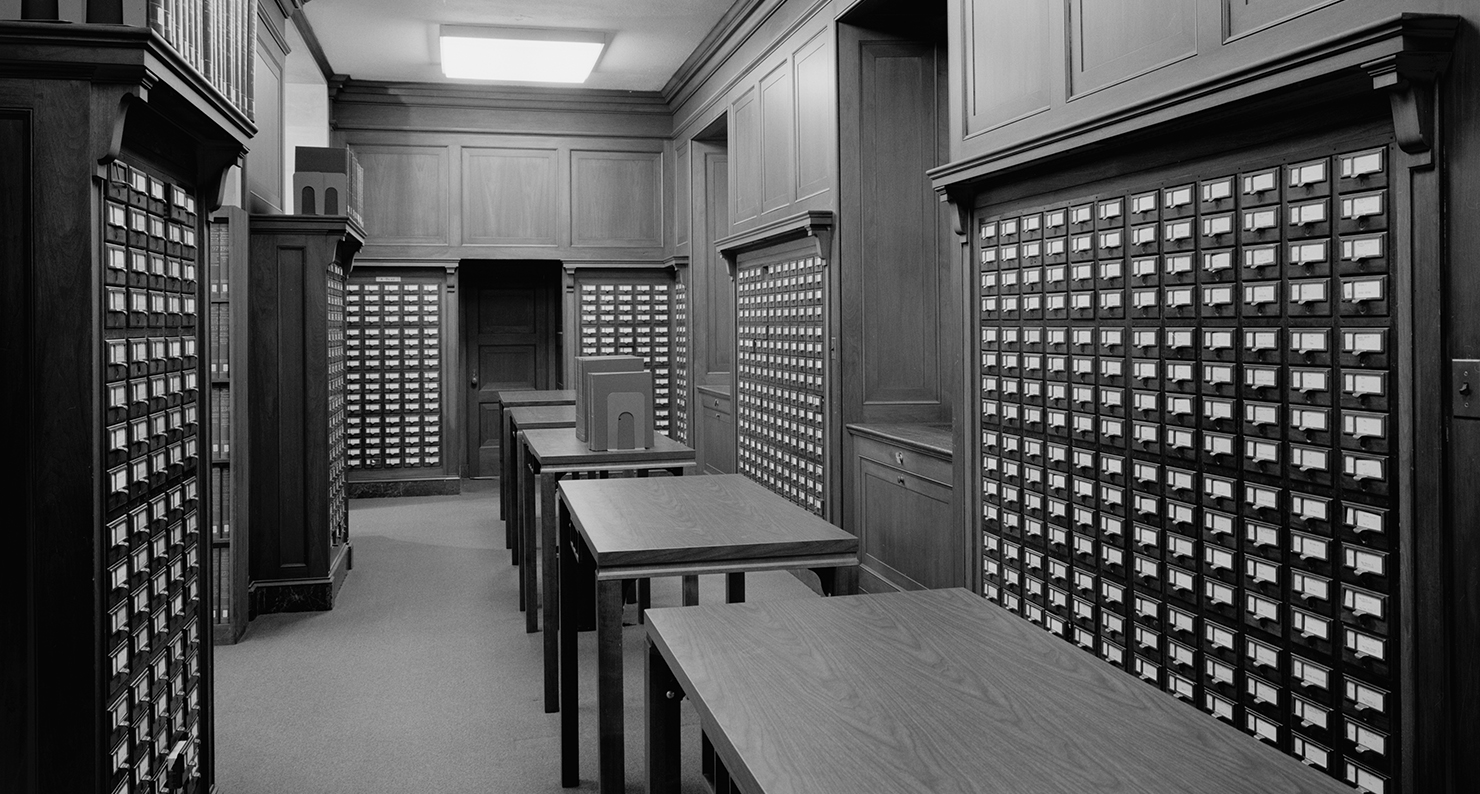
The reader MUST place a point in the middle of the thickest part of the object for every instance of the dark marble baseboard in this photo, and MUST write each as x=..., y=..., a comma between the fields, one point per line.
x=378, y=489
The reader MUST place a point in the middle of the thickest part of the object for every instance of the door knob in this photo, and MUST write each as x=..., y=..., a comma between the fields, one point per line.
x=475, y=381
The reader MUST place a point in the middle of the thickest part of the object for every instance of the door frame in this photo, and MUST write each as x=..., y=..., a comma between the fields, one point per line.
x=474, y=275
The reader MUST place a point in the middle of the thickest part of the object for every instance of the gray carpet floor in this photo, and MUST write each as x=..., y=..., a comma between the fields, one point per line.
x=422, y=677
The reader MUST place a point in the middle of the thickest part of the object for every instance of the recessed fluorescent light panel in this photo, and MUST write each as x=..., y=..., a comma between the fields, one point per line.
x=524, y=55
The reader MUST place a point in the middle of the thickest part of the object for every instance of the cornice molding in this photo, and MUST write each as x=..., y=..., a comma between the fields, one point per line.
x=572, y=266
x=720, y=37
x=117, y=54
x=591, y=100
x=814, y=224
x=315, y=47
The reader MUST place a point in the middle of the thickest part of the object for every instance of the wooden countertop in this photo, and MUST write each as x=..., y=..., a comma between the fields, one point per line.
x=695, y=519
x=543, y=416
x=514, y=398
x=714, y=390
x=932, y=439
x=940, y=691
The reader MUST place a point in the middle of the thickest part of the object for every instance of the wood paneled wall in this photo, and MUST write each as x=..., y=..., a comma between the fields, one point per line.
x=1025, y=75
x=777, y=88
x=899, y=293
x=1456, y=694
x=535, y=175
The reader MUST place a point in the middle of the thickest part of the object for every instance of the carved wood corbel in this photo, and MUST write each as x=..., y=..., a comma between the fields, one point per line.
x=1409, y=79
x=816, y=225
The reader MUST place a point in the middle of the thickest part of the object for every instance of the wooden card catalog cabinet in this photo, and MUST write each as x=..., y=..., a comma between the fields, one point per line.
x=393, y=374
x=629, y=313
x=1188, y=397
x=300, y=548
x=781, y=356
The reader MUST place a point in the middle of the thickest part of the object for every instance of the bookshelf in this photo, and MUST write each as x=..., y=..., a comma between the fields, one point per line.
x=227, y=513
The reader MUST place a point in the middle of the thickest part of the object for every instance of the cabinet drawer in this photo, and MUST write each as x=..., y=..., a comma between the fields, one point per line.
x=712, y=403
x=906, y=458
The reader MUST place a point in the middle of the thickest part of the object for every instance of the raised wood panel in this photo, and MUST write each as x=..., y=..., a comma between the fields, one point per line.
x=616, y=198
x=1241, y=17
x=778, y=162
x=1114, y=40
x=1009, y=69
x=904, y=528
x=682, y=190
x=745, y=182
x=509, y=196
x=265, y=162
x=406, y=194
x=508, y=366
x=718, y=312
x=815, y=76
x=510, y=311
x=896, y=261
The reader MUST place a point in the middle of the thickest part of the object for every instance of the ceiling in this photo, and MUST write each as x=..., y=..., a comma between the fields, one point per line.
x=397, y=39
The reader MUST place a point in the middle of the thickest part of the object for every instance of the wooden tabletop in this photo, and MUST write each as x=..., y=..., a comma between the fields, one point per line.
x=543, y=416
x=695, y=519
x=560, y=447
x=524, y=397
x=940, y=691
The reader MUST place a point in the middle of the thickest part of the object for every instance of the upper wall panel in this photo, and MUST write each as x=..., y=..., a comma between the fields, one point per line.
x=1026, y=76
x=406, y=194
x=456, y=173
x=616, y=198
x=777, y=85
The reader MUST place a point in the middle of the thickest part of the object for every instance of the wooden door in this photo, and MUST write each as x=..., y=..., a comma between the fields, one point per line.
x=512, y=315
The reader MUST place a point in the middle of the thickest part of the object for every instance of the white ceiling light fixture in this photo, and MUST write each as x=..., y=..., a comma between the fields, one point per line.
x=523, y=55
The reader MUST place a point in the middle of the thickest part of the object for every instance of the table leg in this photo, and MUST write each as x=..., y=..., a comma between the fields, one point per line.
x=829, y=580
x=569, y=695
x=505, y=474
x=522, y=489
x=550, y=571
x=735, y=588
x=663, y=735
x=690, y=590
x=644, y=598
x=722, y=783
x=532, y=572
x=611, y=762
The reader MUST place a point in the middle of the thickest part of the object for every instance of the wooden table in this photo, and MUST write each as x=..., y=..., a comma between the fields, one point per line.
x=519, y=398
x=540, y=417
x=546, y=456
x=929, y=691
x=617, y=530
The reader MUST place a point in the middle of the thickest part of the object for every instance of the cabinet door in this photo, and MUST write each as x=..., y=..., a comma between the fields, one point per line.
x=904, y=524
x=719, y=441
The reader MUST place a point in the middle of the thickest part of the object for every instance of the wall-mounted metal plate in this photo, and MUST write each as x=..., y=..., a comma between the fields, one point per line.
x=1464, y=387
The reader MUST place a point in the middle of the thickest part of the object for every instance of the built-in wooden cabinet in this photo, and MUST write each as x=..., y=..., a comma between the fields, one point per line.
x=900, y=506
x=300, y=547
x=716, y=430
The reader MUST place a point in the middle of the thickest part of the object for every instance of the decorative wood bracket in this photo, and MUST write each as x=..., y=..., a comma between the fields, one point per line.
x=814, y=224
x=1408, y=78
x=960, y=210
x=112, y=107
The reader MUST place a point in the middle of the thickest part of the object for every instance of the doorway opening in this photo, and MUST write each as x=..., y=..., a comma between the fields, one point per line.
x=511, y=334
